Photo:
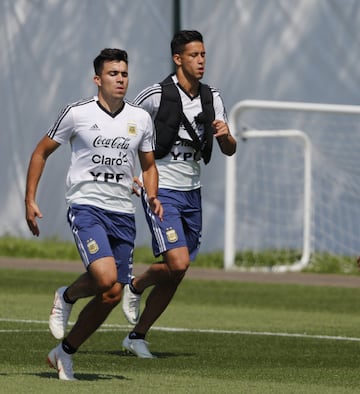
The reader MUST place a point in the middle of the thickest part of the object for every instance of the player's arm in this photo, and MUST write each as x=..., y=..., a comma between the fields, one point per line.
x=36, y=166
x=150, y=181
x=226, y=141
x=222, y=133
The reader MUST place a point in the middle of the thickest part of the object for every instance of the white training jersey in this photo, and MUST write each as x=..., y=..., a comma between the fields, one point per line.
x=104, y=148
x=179, y=169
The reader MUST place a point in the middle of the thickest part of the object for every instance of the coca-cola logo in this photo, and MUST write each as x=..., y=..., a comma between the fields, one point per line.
x=113, y=143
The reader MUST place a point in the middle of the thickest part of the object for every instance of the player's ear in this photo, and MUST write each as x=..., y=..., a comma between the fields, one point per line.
x=97, y=80
x=177, y=59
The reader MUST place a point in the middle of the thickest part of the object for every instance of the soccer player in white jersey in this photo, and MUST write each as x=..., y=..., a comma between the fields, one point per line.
x=177, y=238
x=106, y=135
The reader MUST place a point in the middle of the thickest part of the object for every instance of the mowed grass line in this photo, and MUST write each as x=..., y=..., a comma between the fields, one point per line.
x=191, y=362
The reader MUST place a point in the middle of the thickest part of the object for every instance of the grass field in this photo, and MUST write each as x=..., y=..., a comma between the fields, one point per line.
x=215, y=337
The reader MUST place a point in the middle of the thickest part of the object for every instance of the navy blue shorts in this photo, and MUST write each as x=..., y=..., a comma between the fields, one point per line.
x=182, y=224
x=100, y=233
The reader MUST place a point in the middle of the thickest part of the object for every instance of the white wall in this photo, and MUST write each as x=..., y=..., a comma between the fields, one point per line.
x=297, y=50
x=46, y=62
x=290, y=50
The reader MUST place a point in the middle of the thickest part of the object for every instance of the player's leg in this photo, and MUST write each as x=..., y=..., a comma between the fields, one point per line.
x=89, y=320
x=101, y=272
x=177, y=238
x=93, y=315
x=87, y=225
x=113, y=271
x=176, y=262
x=100, y=277
x=186, y=229
x=166, y=281
x=166, y=235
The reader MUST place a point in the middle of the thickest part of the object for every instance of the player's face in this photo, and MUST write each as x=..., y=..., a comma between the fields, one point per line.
x=192, y=60
x=114, y=80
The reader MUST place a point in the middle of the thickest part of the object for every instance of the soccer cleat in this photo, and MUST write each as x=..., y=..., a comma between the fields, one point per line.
x=137, y=347
x=131, y=305
x=62, y=362
x=59, y=315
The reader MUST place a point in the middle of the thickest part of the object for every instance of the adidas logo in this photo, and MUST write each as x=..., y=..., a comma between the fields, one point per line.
x=94, y=127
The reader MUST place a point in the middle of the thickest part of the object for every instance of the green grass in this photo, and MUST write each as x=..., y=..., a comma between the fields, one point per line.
x=53, y=248
x=50, y=248
x=232, y=338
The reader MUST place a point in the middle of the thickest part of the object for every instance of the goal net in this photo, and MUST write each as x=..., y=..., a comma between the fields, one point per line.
x=293, y=187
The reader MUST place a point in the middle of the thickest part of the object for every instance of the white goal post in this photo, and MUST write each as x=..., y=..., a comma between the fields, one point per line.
x=313, y=117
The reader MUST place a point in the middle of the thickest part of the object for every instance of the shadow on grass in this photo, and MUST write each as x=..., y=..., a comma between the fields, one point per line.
x=90, y=377
x=125, y=353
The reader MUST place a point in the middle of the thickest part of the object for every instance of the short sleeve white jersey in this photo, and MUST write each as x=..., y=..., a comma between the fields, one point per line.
x=104, y=148
x=180, y=169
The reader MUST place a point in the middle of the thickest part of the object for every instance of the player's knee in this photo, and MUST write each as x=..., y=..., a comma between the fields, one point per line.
x=178, y=262
x=113, y=296
x=106, y=283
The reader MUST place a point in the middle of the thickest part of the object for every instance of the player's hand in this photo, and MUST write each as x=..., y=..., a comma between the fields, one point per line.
x=156, y=207
x=33, y=212
x=137, y=185
x=221, y=128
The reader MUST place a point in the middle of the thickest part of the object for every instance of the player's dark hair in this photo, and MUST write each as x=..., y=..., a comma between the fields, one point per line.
x=183, y=37
x=109, y=54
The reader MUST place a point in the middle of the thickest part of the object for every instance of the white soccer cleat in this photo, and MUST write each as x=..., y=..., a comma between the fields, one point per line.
x=62, y=362
x=137, y=347
x=131, y=305
x=59, y=315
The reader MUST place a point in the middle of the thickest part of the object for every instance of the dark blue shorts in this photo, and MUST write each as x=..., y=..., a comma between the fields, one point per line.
x=182, y=224
x=100, y=233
